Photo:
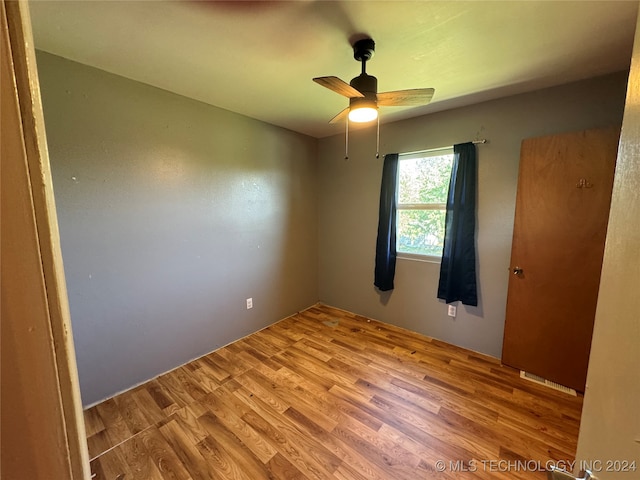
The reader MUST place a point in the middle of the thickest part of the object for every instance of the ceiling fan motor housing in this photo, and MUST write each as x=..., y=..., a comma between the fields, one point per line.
x=365, y=84
x=368, y=86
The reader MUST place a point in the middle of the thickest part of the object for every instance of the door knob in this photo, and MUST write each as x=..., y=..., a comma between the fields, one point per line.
x=517, y=271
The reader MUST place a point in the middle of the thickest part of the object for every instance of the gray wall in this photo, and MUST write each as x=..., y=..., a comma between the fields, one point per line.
x=349, y=196
x=171, y=214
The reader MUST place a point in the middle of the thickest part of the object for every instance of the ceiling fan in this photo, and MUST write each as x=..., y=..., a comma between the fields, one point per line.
x=362, y=91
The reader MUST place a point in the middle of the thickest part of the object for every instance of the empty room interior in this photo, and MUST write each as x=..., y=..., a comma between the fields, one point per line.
x=254, y=292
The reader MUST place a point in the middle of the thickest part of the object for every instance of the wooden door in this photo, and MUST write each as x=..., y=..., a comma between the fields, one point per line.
x=562, y=208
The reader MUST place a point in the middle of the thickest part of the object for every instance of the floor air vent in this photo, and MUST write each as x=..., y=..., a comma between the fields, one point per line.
x=547, y=383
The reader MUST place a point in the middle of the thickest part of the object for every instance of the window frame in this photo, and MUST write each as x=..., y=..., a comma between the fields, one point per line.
x=440, y=206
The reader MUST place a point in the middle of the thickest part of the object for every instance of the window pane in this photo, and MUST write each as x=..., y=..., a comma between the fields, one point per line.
x=420, y=232
x=424, y=180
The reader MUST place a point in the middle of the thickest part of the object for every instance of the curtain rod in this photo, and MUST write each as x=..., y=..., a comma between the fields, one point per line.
x=475, y=142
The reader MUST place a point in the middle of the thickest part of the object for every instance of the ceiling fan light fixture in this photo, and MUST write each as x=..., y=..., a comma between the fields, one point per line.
x=362, y=110
x=363, y=114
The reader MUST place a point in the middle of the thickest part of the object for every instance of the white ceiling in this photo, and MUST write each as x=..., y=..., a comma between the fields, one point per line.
x=257, y=58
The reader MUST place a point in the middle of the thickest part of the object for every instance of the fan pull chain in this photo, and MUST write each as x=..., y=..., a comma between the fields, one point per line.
x=346, y=140
x=378, y=139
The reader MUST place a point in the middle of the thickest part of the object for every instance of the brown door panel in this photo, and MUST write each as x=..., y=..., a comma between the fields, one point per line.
x=562, y=209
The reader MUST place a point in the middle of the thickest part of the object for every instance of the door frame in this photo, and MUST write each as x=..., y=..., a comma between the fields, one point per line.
x=40, y=351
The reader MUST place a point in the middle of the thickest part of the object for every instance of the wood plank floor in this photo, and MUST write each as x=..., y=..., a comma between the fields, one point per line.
x=327, y=394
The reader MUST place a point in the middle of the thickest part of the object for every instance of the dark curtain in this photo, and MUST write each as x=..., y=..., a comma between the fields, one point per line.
x=386, y=244
x=458, y=267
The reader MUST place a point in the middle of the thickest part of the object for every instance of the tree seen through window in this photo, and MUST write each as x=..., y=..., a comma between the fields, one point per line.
x=423, y=183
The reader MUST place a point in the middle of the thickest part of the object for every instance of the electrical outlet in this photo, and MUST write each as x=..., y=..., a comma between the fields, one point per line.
x=451, y=311
x=249, y=303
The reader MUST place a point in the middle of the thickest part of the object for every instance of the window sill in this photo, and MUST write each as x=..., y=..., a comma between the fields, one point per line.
x=418, y=258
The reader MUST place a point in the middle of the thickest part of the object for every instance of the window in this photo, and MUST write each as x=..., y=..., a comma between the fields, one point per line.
x=423, y=184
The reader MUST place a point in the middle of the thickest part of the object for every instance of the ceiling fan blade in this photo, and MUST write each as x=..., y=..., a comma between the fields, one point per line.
x=338, y=86
x=406, y=98
x=340, y=116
